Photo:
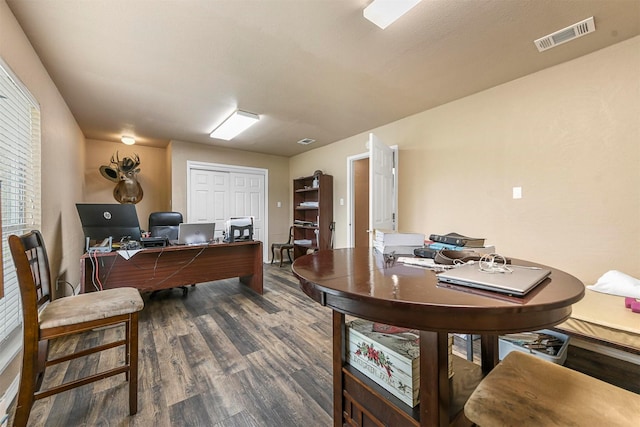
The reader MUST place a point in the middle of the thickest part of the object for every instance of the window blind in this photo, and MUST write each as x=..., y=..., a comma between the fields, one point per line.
x=19, y=184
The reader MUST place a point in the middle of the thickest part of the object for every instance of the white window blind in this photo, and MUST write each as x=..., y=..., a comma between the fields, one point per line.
x=19, y=183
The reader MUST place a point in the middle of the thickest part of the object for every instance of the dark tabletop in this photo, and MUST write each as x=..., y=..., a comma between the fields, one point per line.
x=356, y=282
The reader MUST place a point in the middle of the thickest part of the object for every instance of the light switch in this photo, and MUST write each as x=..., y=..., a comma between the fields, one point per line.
x=279, y=204
x=341, y=202
x=517, y=192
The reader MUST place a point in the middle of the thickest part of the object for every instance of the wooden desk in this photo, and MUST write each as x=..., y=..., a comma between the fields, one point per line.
x=355, y=282
x=161, y=268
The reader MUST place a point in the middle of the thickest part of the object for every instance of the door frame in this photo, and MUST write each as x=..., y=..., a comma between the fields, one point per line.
x=350, y=191
x=220, y=167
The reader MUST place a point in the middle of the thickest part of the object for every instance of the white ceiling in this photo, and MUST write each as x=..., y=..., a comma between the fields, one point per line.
x=173, y=69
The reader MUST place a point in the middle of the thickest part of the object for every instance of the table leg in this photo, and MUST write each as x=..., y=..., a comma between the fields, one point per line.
x=255, y=281
x=434, y=379
x=339, y=359
x=489, y=352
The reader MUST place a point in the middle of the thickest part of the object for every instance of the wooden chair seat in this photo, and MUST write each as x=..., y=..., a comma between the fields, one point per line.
x=45, y=319
x=95, y=306
x=524, y=390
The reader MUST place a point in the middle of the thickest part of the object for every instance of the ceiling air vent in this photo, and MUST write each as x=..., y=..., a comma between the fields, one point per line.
x=566, y=34
x=306, y=141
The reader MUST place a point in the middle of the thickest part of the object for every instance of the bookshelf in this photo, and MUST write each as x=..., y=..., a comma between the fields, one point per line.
x=312, y=213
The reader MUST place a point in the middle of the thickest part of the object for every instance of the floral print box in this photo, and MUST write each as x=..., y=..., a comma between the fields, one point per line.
x=388, y=355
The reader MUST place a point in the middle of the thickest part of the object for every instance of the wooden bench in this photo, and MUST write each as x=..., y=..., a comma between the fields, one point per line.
x=524, y=390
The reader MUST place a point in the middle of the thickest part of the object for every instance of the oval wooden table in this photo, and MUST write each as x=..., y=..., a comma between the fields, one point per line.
x=355, y=282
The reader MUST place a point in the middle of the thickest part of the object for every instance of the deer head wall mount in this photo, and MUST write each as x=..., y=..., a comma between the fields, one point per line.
x=125, y=174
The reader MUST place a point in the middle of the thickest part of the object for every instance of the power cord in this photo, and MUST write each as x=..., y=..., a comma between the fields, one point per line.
x=493, y=263
x=73, y=291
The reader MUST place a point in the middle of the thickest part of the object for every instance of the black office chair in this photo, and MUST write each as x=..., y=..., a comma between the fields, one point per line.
x=166, y=224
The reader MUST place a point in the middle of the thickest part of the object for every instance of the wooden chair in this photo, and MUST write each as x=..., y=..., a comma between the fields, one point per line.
x=524, y=390
x=45, y=319
x=288, y=246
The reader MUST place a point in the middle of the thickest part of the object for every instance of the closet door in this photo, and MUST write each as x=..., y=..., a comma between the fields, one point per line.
x=216, y=196
x=247, y=199
x=209, y=201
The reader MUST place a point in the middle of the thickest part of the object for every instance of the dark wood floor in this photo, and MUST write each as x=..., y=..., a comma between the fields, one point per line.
x=222, y=356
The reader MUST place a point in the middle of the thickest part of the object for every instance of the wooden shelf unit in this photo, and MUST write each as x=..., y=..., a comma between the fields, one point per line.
x=312, y=223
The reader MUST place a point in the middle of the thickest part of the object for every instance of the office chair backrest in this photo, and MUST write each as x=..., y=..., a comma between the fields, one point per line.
x=165, y=224
x=32, y=269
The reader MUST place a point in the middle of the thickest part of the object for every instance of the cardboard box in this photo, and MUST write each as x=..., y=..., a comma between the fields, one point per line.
x=388, y=355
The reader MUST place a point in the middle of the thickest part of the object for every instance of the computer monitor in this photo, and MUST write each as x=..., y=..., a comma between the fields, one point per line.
x=101, y=220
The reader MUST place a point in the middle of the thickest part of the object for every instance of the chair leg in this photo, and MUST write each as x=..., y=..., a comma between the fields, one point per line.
x=133, y=363
x=289, y=255
x=127, y=348
x=272, y=254
x=23, y=407
x=281, y=255
x=43, y=355
x=30, y=375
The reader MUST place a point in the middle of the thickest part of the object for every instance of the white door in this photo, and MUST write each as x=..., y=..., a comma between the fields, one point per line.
x=217, y=195
x=247, y=199
x=382, y=199
x=209, y=196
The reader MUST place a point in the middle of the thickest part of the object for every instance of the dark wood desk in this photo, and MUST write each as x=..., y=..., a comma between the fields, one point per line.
x=161, y=268
x=355, y=282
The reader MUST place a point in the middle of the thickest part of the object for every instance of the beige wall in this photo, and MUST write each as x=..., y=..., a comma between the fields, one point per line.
x=153, y=176
x=62, y=151
x=568, y=135
x=278, y=189
x=62, y=155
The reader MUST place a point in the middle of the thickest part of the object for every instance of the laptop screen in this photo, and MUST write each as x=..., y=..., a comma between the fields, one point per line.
x=196, y=233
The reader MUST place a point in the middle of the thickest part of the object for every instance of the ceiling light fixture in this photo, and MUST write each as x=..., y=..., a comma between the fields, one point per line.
x=385, y=12
x=128, y=140
x=234, y=125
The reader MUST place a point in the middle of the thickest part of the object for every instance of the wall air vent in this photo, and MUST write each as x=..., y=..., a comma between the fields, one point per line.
x=306, y=141
x=566, y=34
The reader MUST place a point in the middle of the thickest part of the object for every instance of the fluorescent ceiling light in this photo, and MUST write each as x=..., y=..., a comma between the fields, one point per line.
x=234, y=125
x=128, y=140
x=385, y=12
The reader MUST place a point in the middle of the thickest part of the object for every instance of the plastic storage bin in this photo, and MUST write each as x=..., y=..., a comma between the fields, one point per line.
x=505, y=347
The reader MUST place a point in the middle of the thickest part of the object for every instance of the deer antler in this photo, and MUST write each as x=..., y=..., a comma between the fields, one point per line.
x=136, y=160
x=115, y=162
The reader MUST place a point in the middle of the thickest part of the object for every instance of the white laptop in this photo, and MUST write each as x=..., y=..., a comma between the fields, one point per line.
x=196, y=233
x=519, y=282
